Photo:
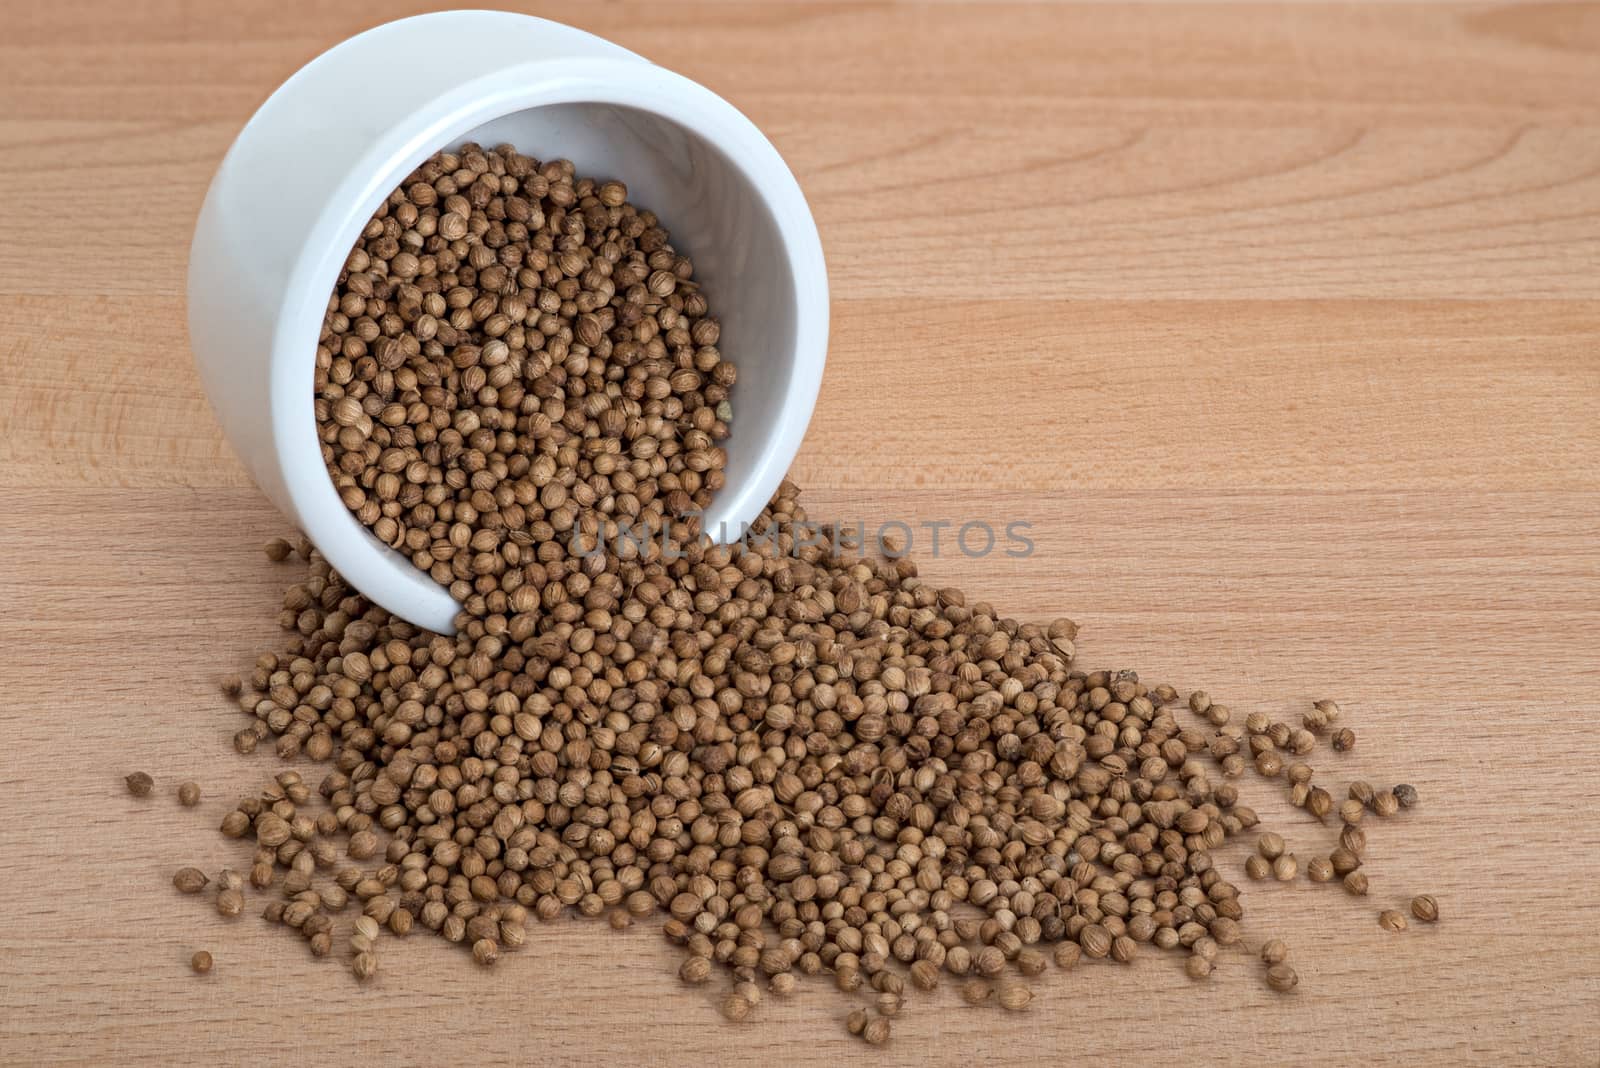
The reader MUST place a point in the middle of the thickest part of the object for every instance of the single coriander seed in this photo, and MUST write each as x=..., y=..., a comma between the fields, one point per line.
x=190, y=880
x=1014, y=997
x=1282, y=978
x=735, y=1007
x=1392, y=920
x=140, y=784
x=1425, y=908
x=189, y=794
x=1275, y=951
x=201, y=962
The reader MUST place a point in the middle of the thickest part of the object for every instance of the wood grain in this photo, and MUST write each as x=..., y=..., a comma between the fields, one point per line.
x=1278, y=323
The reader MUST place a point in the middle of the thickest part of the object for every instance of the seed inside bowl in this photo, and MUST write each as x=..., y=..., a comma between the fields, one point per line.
x=514, y=355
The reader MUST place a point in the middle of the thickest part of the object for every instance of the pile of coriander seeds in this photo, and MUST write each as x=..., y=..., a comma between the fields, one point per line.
x=793, y=754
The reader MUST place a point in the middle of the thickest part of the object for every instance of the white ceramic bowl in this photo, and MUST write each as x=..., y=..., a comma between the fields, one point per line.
x=315, y=161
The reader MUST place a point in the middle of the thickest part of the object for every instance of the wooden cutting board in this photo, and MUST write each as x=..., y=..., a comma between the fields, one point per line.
x=1280, y=325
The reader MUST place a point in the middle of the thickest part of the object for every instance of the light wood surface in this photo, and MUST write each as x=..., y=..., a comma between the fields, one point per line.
x=1279, y=323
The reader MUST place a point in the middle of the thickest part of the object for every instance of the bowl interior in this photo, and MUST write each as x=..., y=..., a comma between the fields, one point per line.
x=716, y=216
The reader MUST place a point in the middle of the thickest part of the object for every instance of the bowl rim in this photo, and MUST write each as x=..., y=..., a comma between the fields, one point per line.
x=380, y=573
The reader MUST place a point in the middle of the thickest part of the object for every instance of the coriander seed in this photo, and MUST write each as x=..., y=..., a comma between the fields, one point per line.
x=190, y=880
x=1425, y=908
x=1282, y=978
x=189, y=794
x=201, y=962
x=230, y=902
x=140, y=784
x=735, y=1007
x=1392, y=920
x=1014, y=997
x=1274, y=951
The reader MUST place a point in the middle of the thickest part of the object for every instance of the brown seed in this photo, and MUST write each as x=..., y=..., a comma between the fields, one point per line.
x=856, y=1022
x=1066, y=955
x=1405, y=794
x=189, y=794
x=485, y=951
x=1385, y=804
x=876, y=1032
x=782, y=984
x=1350, y=812
x=364, y=965
x=1356, y=883
x=976, y=992
x=1344, y=860
x=230, y=902
x=1095, y=941
x=925, y=973
x=1270, y=845
x=1282, y=978
x=1425, y=908
x=1275, y=951
x=201, y=962
x=190, y=880
x=1014, y=997
x=1320, y=870
x=695, y=970
x=1285, y=868
x=1344, y=740
x=277, y=550
x=1319, y=803
x=1257, y=867
x=1392, y=920
x=140, y=784
x=736, y=1007
x=1197, y=967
